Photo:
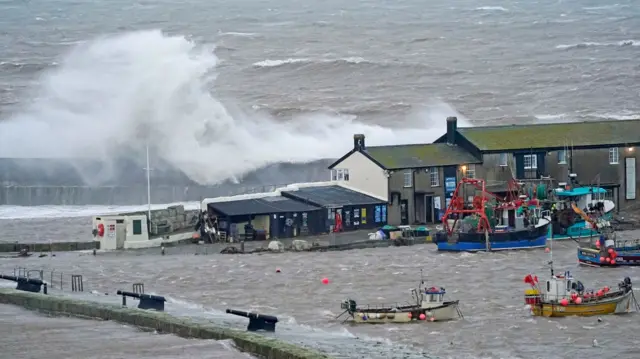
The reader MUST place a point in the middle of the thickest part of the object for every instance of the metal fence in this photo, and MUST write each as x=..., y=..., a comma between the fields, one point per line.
x=54, y=279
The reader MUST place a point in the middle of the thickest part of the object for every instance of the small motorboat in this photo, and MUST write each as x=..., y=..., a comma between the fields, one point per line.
x=430, y=306
x=563, y=296
x=609, y=251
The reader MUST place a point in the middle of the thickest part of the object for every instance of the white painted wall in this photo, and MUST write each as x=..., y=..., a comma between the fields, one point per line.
x=365, y=175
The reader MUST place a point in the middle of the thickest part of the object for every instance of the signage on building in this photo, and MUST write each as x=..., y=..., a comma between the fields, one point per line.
x=450, y=184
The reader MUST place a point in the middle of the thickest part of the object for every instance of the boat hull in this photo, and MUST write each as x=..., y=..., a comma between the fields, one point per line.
x=579, y=230
x=474, y=242
x=447, y=311
x=591, y=257
x=581, y=234
x=618, y=305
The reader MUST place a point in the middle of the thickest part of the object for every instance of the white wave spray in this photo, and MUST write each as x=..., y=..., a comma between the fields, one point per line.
x=111, y=96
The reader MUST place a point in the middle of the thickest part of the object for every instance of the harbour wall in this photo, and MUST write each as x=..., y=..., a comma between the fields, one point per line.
x=254, y=344
x=35, y=182
x=49, y=247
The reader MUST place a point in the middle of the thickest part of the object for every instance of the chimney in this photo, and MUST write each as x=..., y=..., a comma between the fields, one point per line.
x=452, y=126
x=358, y=142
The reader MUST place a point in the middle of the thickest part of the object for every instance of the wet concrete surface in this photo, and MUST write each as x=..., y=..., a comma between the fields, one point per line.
x=30, y=335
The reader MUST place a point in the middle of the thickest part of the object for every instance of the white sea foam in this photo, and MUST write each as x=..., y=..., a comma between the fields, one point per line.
x=277, y=63
x=21, y=212
x=582, y=45
x=492, y=8
x=111, y=96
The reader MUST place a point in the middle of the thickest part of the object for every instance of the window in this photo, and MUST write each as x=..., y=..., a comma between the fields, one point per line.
x=137, y=226
x=471, y=171
x=562, y=157
x=530, y=162
x=340, y=175
x=614, y=155
x=503, y=160
x=434, y=176
x=408, y=178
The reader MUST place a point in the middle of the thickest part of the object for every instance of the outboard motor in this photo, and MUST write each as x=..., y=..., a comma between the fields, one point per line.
x=349, y=305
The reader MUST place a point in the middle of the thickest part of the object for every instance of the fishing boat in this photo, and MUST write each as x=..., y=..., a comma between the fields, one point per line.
x=567, y=223
x=563, y=296
x=607, y=250
x=489, y=223
x=429, y=306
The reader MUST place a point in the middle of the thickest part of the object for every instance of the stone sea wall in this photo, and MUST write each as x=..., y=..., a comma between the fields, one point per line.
x=254, y=344
x=49, y=247
x=35, y=182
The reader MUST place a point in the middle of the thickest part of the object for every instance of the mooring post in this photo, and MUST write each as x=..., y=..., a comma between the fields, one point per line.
x=257, y=321
x=147, y=301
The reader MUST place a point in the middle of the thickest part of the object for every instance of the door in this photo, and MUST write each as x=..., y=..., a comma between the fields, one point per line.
x=274, y=228
x=282, y=226
x=428, y=209
x=288, y=226
x=121, y=233
x=630, y=177
x=404, y=212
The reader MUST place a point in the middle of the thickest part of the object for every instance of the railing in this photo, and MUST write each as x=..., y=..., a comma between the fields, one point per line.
x=55, y=280
x=367, y=307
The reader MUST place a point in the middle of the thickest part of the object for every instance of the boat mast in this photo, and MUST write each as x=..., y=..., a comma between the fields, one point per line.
x=550, y=249
x=148, y=169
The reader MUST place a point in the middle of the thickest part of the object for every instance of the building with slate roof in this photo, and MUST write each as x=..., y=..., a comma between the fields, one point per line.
x=418, y=179
x=354, y=209
x=297, y=210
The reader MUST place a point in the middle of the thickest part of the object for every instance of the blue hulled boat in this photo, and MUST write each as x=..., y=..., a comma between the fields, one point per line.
x=485, y=225
x=607, y=250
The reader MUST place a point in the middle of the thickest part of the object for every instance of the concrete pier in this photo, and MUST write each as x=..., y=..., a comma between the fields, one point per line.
x=254, y=344
x=49, y=247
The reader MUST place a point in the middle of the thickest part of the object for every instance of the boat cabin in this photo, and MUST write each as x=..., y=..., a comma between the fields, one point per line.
x=561, y=286
x=516, y=216
x=586, y=198
x=433, y=297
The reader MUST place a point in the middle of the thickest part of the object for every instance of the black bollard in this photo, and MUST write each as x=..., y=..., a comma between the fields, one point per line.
x=147, y=301
x=257, y=321
x=27, y=284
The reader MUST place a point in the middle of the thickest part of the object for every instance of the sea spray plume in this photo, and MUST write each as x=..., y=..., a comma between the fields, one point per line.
x=111, y=96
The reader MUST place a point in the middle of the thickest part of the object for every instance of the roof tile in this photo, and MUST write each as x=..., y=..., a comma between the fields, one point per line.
x=516, y=137
x=422, y=155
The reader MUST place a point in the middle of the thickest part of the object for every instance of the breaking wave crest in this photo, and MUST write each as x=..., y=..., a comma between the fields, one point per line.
x=584, y=45
x=111, y=96
x=277, y=63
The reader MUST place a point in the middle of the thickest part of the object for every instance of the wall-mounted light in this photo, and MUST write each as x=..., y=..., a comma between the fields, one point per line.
x=463, y=168
x=630, y=149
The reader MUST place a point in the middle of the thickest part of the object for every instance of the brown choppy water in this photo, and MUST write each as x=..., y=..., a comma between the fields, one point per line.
x=25, y=334
x=490, y=287
x=44, y=230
